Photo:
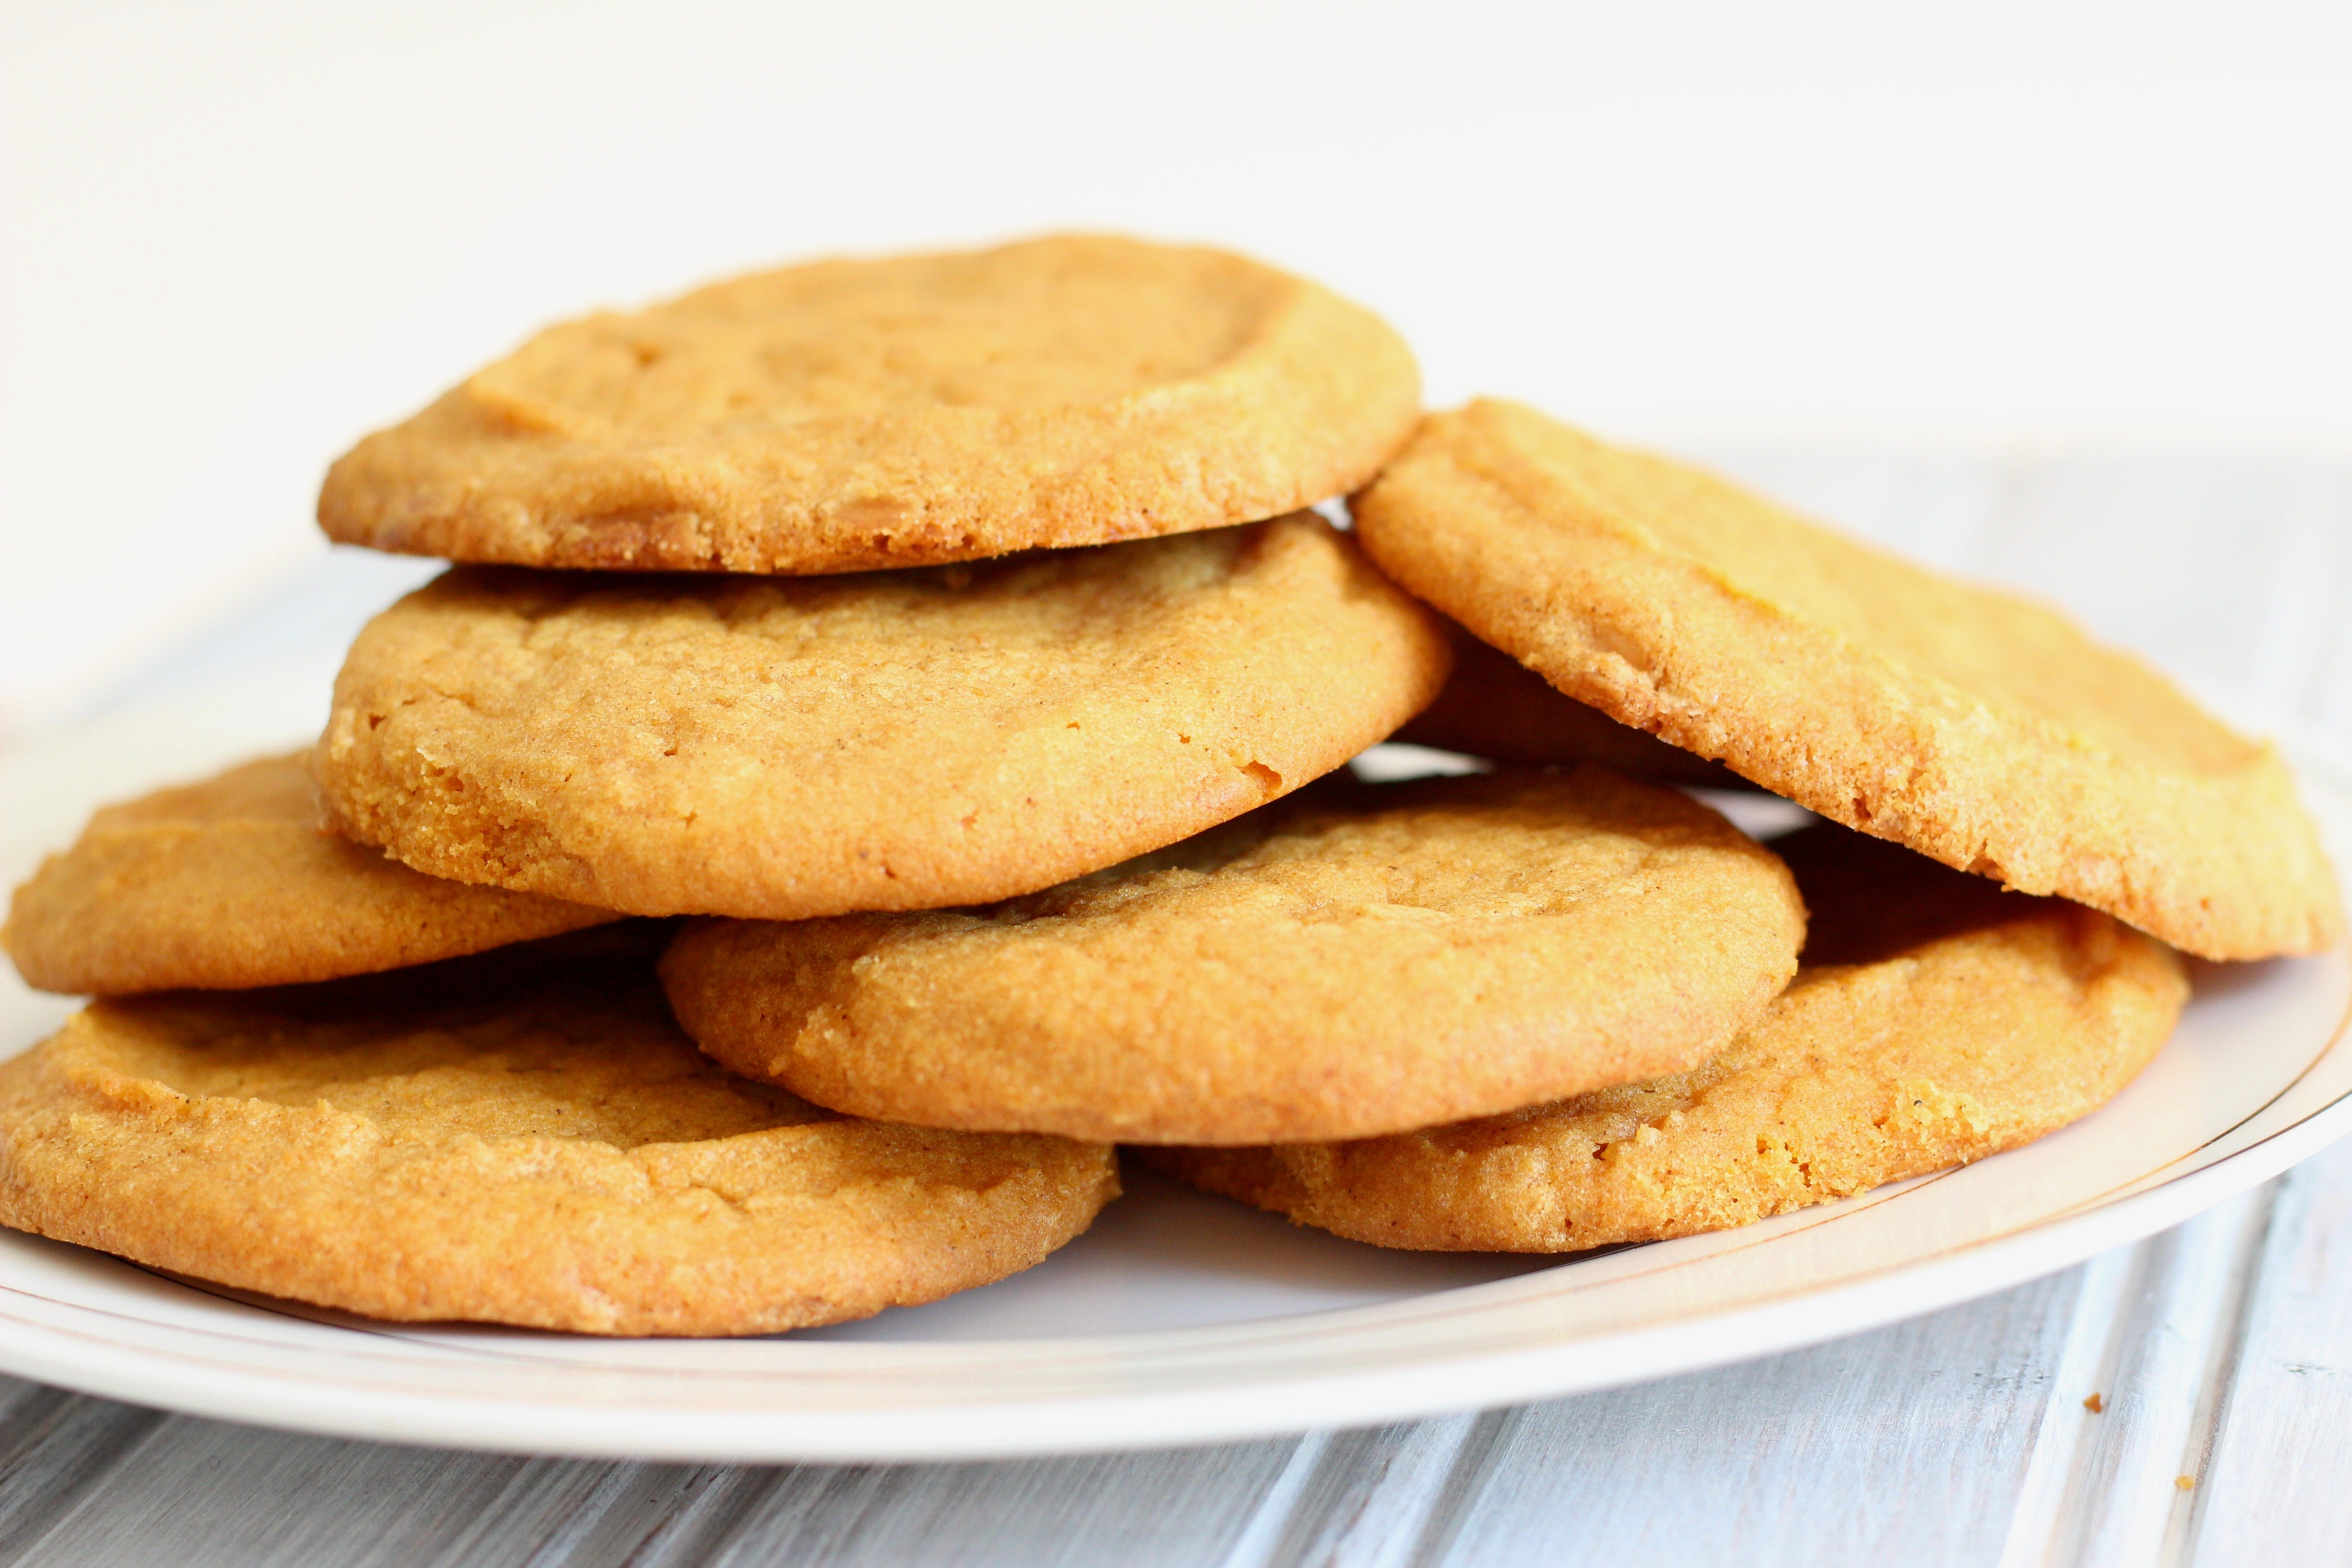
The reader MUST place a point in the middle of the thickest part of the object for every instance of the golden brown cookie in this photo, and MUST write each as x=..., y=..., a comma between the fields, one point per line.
x=1937, y=1020
x=1493, y=706
x=1973, y=726
x=779, y=748
x=895, y=411
x=501, y=1141
x=233, y=883
x=1362, y=960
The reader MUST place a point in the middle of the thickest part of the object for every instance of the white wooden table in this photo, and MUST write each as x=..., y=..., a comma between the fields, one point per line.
x=2220, y=1353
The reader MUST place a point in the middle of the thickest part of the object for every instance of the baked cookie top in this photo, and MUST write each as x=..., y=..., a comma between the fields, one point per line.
x=234, y=882
x=502, y=1145
x=1974, y=726
x=779, y=748
x=1360, y=961
x=1493, y=706
x=1957, y=1021
x=899, y=411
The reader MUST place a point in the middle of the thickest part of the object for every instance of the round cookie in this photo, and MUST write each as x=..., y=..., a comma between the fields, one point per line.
x=1937, y=1020
x=1493, y=706
x=500, y=1145
x=1357, y=962
x=1975, y=727
x=779, y=748
x=234, y=882
x=893, y=412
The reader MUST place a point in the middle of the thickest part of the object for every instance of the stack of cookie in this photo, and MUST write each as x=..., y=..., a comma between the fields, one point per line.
x=945, y=635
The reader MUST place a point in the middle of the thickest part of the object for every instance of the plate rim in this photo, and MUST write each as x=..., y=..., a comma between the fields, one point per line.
x=1434, y=1386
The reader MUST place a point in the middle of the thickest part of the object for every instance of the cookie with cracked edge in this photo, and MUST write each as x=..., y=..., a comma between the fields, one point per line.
x=236, y=882
x=1492, y=705
x=778, y=748
x=896, y=411
x=1358, y=960
x=1974, y=726
x=1936, y=1019
x=516, y=1138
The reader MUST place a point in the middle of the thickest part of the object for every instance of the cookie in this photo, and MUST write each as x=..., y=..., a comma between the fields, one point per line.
x=1973, y=726
x=1937, y=1020
x=1492, y=705
x=779, y=748
x=495, y=1140
x=233, y=883
x=1359, y=961
x=902, y=411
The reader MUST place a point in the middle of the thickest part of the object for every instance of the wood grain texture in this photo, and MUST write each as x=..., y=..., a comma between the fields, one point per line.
x=2155, y=1337
x=1901, y=1445
x=2275, y=1482
x=2222, y=1351
x=222, y=1494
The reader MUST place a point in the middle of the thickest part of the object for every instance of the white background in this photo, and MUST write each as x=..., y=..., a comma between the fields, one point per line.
x=239, y=234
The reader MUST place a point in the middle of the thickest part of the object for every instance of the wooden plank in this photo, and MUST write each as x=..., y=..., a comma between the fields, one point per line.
x=206, y=1492
x=53, y=1446
x=2279, y=1488
x=1186, y=1507
x=203, y=1492
x=1905, y=1445
x=2160, y=1322
x=1373, y=1497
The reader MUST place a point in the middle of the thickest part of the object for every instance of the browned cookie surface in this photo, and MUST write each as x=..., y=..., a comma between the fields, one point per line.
x=234, y=882
x=1974, y=726
x=896, y=411
x=523, y=1142
x=779, y=748
x=1937, y=1020
x=1359, y=960
x=1493, y=706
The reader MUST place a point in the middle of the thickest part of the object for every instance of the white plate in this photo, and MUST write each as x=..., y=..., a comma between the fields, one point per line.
x=1177, y=1318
